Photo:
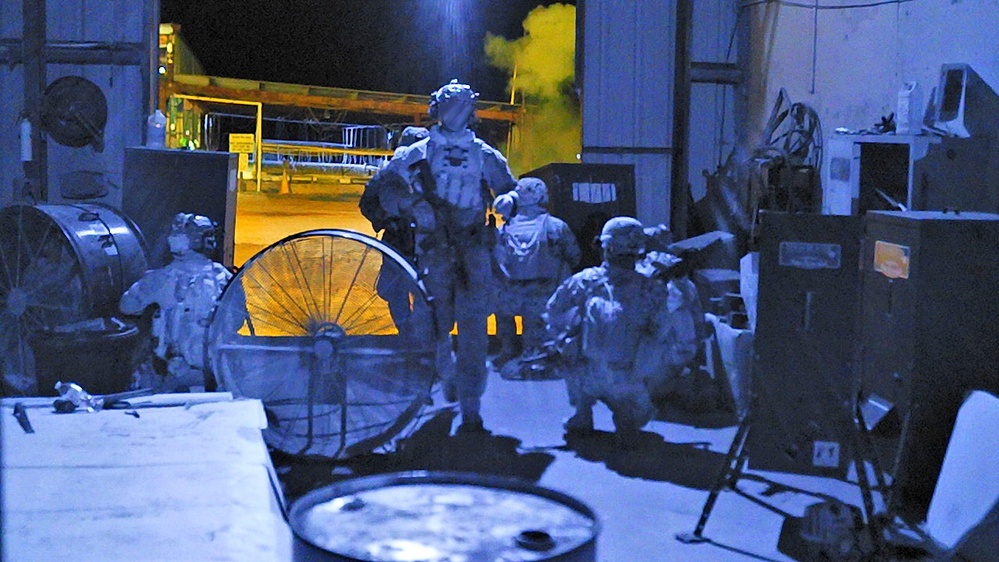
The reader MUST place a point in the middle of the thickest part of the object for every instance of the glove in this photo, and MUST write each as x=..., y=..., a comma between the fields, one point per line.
x=506, y=204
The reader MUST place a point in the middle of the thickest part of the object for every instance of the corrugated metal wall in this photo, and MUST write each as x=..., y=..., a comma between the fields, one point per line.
x=122, y=30
x=712, y=106
x=627, y=90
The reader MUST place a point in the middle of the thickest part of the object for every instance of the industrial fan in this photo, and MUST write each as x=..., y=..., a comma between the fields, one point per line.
x=61, y=265
x=313, y=327
x=74, y=112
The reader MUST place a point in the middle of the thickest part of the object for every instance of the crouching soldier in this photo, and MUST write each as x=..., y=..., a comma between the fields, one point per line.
x=604, y=322
x=185, y=292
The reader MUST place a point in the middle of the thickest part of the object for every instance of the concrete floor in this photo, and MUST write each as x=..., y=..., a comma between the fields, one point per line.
x=264, y=218
x=643, y=498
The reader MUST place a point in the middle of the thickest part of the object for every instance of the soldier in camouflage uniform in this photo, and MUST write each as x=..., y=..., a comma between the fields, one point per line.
x=609, y=323
x=535, y=252
x=452, y=177
x=185, y=291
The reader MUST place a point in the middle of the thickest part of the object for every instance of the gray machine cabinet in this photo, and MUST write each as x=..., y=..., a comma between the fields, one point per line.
x=803, y=375
x=160, y=183
x=929, y=173
x=929, y=331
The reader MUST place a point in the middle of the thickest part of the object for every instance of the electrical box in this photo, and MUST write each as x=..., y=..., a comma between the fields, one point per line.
x=159, y=183
x=585, y=196
x=929, y=332
x=803, y=375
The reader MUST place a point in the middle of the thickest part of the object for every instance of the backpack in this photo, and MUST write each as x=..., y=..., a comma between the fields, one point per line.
x=523, y=253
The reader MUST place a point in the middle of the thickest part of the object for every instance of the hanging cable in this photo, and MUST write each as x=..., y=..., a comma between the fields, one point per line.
x=750, y=3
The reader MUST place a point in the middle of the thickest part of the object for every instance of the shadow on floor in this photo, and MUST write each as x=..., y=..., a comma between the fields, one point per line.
x=431, y=447
x=690, y=464
x=713, y=418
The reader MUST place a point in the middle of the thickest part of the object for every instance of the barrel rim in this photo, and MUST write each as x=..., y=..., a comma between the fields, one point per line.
x=389, y=479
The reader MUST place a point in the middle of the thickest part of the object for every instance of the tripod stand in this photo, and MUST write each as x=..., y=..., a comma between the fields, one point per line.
x=735, y=461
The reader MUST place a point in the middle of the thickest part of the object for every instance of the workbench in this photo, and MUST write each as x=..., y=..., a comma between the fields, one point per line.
x=178, y=477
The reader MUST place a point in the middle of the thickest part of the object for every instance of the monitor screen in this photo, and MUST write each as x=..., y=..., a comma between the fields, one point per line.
x=953, y=91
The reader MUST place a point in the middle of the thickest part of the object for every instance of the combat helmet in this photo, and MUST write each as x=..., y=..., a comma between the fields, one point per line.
x=453, y=105
x=623, y=236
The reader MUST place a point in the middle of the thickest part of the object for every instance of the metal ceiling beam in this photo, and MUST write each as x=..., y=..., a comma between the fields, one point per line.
x=79, y=52
x=317, y=97
x=715, y=73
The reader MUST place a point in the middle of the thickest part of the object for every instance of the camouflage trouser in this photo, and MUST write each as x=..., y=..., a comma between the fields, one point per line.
x=627, y=396
x=527, y=299
x=394, y=285
x=463, y=288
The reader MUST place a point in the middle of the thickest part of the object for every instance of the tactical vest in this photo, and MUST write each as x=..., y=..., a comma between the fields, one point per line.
x=456, y=163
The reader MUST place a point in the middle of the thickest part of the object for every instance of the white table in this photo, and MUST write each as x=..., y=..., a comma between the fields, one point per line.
x=183, y=481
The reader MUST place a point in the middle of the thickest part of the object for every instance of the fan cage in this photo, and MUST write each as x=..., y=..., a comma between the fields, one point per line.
x=333, y=331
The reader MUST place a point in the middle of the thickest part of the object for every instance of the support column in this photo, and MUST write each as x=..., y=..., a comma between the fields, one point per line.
x=679, y=182
x=33, y=57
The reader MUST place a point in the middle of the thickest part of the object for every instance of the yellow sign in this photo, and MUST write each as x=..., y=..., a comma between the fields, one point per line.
x=241, y=143
x=245, y=170
x=891, y=260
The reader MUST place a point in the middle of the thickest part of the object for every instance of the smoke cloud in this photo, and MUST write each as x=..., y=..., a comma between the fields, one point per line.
x=541, y=65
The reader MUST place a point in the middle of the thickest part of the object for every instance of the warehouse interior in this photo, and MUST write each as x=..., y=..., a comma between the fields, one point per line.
x=826, y=175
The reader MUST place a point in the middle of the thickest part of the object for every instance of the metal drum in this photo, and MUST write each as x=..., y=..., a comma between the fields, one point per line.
x=106, y=245
x=63, y=269
x=110, y=249
x=441, y=517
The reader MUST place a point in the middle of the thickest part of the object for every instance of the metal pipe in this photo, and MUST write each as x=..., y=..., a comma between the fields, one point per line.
x=679, y=180
x=33, y=55
x=257, y=142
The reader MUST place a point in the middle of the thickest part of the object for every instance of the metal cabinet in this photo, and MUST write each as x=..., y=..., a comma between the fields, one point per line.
x=160, y=183
x=803, y=376
x=929, y=331
x=918, y=172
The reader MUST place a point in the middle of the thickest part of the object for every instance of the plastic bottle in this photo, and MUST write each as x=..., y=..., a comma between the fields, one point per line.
x=156, y=130
x=909, y=114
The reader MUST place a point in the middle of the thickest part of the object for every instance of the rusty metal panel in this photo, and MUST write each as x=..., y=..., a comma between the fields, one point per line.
x=110, y=43
x=11, y=90
x=122, y=88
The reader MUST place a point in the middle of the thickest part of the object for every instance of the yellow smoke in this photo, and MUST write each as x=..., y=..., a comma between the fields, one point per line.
x=542, y=67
